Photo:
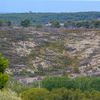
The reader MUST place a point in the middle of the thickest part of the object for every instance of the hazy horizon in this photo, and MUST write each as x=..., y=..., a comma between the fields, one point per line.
x=45, y=6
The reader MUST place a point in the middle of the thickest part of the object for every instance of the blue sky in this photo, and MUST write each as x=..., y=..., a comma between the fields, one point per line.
x=49, y=5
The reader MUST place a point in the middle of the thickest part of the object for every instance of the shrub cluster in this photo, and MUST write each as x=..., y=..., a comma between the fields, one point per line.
x=59, y=94
x=64, y=88
x=82, y=83
x=3, y=75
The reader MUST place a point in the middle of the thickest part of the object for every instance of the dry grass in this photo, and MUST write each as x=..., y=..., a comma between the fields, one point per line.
x=8, y=95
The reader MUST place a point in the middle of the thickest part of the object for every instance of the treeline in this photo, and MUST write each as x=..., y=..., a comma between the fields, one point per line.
x=57, y=24
x=76, y=24
x=83, y=24
x=43, y=18
x=67, y=24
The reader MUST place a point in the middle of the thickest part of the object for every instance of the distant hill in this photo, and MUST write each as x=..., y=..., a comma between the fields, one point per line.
x=42, y=18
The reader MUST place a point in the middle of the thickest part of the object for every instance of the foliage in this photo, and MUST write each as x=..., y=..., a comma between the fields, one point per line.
x=3, y=64
x=56, y=82
x=42, y=18
x=59, y=94
x=8, y=95
x=3, y=80
x=55, y=24
x=76, y=94
x=96, y=23
x=34, y=94
x=5, y=23
x=3, y=76
x=25, y=23
x=1, y=22
x=74, y=20
x=66, y=24
x=61, y=88
x=9, y=23
x=82, y=83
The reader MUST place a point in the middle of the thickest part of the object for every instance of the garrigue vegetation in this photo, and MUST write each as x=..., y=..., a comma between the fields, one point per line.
x=82, y=83
x=5, y=94
x=3, y=75
x=64, y=88
x=50, y=88
x=59, y=88
x=59, y=94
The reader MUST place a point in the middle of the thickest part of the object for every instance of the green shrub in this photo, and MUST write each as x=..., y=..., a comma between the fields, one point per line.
x=34, y=94
x=82, y=83
x=3, y=76
x=76, y=94
x=55, y=24
x=25, y=23
x=3, y=64
x=59, y=94
x=57, y=82
x=95, y=84
x=3, y=80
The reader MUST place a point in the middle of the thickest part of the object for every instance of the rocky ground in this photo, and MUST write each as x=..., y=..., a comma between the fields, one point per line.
x=34, y=53
x=86, y=47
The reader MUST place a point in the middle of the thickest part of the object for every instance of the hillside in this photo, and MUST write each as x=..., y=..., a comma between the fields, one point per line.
x=39, y=52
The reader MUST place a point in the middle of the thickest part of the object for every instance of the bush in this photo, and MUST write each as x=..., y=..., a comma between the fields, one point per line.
x=60, y=94
x=82, y=83
x=95, y=84
x=3, y=80
x=8, y=95
x=3, y=64
x=57, y=82
x=3, y=76
x=25, y=23
x=55, y=24
x=34, y=94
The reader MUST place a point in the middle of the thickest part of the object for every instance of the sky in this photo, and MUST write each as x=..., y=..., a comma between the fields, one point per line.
x=9, y=6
